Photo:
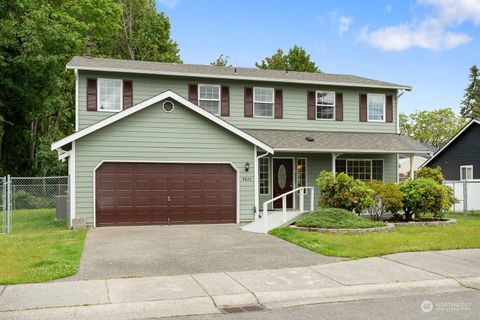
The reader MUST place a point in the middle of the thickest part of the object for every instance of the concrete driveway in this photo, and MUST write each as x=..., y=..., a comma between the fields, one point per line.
x=175, y=250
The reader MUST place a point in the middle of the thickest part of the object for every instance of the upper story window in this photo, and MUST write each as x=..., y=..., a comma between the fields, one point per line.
x=263, y=99
x=110, y=95
x=209, y=98
x=326, y=105
x=376, y=107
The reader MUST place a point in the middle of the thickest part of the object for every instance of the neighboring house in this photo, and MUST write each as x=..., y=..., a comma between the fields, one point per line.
x=418, y=160
x=160, y=143
x=459, y=158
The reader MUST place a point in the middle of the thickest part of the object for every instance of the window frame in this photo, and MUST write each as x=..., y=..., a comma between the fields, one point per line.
x=323, y=105
x=273, y=103
x=219, y=97
x=98, y=94
x=260, y=175
x=384, y=106
x=371, y=166
x=467, y=166
x=297, y=176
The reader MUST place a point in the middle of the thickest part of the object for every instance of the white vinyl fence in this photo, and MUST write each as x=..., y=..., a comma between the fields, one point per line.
x=468, y=194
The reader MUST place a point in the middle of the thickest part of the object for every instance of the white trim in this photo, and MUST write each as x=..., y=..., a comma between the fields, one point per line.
x=235, y=77
x=362, y=159
x=384, y=106
x=273, y=103
x=72, y=183
x=173, y=162
x=257, y=181
x=321, y=150
x=165, y=95
x=219, y=96
x=323, y=105
x=469, y=166
x=98, y=94
x=450, y=141
x=76, y=98
x=294, y=182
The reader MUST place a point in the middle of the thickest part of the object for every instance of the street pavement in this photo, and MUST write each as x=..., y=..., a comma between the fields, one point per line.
x=454, y=272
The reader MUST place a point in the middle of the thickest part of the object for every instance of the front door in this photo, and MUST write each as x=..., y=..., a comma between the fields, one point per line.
x=282, y=181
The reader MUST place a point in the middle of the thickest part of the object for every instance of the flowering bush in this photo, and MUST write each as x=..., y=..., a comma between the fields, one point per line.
x=388, y=198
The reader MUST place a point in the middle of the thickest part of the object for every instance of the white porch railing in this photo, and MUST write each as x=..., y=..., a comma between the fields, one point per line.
x=284, y=204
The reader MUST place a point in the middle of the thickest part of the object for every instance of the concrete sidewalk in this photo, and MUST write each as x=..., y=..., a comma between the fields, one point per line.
x=153, y=297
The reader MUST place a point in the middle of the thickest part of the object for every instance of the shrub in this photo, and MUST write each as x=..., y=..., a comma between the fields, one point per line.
x=388, y=198
x=25, y=200
x=432, y=173
x=333, y=218
x=425, y=195
x=344, y=192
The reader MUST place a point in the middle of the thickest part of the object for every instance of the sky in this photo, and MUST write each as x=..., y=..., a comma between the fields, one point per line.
x=426, y=44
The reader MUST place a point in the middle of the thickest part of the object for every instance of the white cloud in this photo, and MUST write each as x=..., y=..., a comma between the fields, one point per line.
x=388, y=8
x=168, y=3
x=433, y=33
x=344, y=24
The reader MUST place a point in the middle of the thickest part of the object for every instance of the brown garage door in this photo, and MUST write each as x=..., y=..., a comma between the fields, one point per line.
x=164, y=193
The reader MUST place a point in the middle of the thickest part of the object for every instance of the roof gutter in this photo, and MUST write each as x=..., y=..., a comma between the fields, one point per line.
x=236, y=77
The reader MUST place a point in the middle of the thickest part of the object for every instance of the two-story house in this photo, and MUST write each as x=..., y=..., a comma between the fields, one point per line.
x=160, y=143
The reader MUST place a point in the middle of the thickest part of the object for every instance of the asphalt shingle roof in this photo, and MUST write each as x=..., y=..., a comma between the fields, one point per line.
x=318, y=141
x=207, y=71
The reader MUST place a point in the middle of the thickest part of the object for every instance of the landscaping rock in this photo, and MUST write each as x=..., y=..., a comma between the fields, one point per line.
x=386, y=228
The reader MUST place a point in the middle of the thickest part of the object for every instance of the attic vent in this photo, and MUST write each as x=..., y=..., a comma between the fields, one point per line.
x=309, y=139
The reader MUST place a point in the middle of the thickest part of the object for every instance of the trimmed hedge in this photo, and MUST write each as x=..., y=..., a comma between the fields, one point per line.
x=334, y=218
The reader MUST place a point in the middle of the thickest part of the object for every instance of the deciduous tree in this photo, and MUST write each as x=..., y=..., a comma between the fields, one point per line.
x=297, y=59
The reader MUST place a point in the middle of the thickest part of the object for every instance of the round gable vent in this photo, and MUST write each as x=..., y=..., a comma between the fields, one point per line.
x=168, y=106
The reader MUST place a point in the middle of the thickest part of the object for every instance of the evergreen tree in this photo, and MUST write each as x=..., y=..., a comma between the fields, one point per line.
x=471, y=102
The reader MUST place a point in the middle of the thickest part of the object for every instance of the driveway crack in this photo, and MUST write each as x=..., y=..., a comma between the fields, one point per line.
x=108, y=291
x=208, y=295
x=3, y=290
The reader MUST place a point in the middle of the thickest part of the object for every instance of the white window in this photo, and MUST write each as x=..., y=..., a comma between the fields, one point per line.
x=326, y=105
x=263, y=102
x=376, y=107
x=263, y=173
x=209, y=98
x=109, y=95
x=301, y=173
x=466, y=172
x=363, y=169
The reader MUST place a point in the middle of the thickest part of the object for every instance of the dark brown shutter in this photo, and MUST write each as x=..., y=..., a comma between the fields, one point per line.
x=339, y=106
x=127, y=94
x=248, y=102
x=91, y=94
x=389, y=108
x=225, y=103
x=278, y=104
x=363, y=107
x=311, y=105
x=193, y=93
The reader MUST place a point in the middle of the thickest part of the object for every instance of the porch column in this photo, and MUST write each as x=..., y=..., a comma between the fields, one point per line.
x=334, y=158
x=412, y=174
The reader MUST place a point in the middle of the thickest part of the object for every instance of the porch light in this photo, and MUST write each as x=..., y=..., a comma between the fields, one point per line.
x=247, y=167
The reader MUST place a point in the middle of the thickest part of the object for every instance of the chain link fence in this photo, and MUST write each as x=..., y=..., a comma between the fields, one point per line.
x=35, y=203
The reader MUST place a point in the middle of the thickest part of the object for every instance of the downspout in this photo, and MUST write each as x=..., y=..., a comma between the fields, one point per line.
x=257, y=177
x=399, y=94
x=76, y=99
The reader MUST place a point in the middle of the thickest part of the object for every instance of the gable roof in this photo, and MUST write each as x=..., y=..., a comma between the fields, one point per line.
x=144, y=104
x=343, y=142
x=235, y=73
x=451, y=140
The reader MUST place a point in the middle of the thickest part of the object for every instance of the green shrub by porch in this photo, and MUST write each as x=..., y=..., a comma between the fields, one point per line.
x=425, y=195
x=334, y=218
x=344, y=192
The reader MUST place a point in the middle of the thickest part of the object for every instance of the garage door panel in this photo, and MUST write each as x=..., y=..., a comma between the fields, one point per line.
x=160, y=193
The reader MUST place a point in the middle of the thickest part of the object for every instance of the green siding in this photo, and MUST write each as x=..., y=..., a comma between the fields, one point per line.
x=154, y=135
x=294, y=103
x=316, y=162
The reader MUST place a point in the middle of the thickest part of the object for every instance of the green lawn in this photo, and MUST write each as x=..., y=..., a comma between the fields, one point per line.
x=39, y=249
x=465, y=234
